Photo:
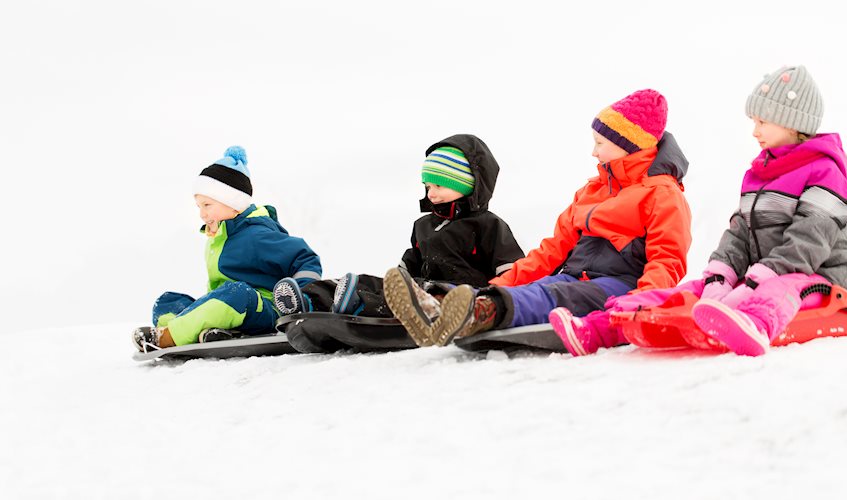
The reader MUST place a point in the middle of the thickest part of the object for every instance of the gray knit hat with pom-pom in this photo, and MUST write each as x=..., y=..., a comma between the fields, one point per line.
x=788, y=97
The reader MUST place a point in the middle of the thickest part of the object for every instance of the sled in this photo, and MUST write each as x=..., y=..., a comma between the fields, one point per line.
x=670, y=324
x=243, y=347
x=535, y=337
x=325, y=332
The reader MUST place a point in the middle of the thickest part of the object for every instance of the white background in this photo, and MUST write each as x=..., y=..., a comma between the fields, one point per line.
x=109, y=110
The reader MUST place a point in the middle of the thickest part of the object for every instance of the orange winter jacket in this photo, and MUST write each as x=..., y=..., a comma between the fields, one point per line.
x=631, y=222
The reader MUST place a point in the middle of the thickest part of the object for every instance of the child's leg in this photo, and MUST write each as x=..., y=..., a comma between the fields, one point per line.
x=775, y=302
x=321, y=295
x=371, y=292
x=531, y=304
x=758, y=318
x=233, y=305
x=168, y=305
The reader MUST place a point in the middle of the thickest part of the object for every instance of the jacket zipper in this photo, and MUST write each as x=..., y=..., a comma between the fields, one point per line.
x=753, y=223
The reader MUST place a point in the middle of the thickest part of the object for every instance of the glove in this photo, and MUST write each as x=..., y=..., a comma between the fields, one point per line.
x=635, y=300
x=756, y=275
x=718, y=280
x=716, y=287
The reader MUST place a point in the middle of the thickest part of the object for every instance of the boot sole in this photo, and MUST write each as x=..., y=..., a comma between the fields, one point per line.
x=401, y=300
x=725, y=325
x=561, y=322
x=456, y=311
x=298, y=297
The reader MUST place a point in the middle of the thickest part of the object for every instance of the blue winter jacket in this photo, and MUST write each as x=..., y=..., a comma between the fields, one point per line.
x=256, y=249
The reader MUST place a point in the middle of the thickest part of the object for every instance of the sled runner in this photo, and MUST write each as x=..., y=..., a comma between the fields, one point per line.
x=670, y=324
x=324, y=332
x=520, y=337
x=241, y=347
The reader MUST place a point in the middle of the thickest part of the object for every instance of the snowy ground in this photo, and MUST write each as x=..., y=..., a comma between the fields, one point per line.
x=428, y=423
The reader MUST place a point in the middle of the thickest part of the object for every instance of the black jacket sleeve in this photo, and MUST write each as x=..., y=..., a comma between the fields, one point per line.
x=500, y=246
x=412, y=259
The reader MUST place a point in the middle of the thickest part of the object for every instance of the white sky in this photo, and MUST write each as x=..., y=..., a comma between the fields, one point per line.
x=108, y=110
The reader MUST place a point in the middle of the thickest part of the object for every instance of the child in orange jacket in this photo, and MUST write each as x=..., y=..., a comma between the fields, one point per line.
x=627, y=229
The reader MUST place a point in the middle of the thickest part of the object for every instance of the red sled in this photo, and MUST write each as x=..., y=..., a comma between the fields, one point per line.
x=670, y=324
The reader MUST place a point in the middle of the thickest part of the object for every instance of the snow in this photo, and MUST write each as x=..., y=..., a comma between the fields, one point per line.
x=427, y=423
x=109, y=112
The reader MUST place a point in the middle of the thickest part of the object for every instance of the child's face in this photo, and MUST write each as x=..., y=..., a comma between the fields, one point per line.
x=213, y=211
x=605, y=150
x=440, y=194
x=771, y=135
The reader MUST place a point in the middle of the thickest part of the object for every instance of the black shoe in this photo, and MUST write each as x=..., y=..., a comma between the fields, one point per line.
x=216, y=335
x=346, y=300
x=146, y=338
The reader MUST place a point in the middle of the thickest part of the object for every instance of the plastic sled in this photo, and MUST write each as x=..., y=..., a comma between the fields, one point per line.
x=520, y=337
x=670, y=325
x=325, y=332
x=244, y=347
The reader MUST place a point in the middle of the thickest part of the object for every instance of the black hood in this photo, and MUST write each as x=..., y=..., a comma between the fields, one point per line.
x=669, y=159
x=483, y=166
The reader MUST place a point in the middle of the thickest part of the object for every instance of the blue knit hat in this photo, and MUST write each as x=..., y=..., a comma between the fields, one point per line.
x=448, y=167
x=227, y=180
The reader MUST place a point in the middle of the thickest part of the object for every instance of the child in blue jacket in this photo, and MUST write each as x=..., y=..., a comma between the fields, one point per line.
x=247, y=252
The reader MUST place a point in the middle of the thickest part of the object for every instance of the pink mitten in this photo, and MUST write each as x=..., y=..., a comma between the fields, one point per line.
x=756, y=275
x=719, y=279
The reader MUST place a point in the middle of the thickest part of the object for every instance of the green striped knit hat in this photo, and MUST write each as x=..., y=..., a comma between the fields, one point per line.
x=448, y=167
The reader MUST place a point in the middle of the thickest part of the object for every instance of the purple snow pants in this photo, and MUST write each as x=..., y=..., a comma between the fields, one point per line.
x=533, y=302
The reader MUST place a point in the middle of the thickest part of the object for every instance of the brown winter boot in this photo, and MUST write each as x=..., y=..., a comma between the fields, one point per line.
x=463, y=314
x=410, y=304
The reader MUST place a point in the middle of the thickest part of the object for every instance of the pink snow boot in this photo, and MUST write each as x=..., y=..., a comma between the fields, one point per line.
x=749, y=328
x=585, y=335
x=734, y=329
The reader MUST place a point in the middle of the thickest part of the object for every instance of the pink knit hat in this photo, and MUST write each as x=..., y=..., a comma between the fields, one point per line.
x=635, y=122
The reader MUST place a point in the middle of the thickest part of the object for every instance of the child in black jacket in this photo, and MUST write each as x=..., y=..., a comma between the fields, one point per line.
x=458, y=242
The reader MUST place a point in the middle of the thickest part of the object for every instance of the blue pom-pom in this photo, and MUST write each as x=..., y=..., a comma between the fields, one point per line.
x=237, y=153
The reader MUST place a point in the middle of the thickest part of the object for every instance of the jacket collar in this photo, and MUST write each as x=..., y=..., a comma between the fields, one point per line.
x=232, y=225
x=628, y=170
x=774, y=162
x=449, y=211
